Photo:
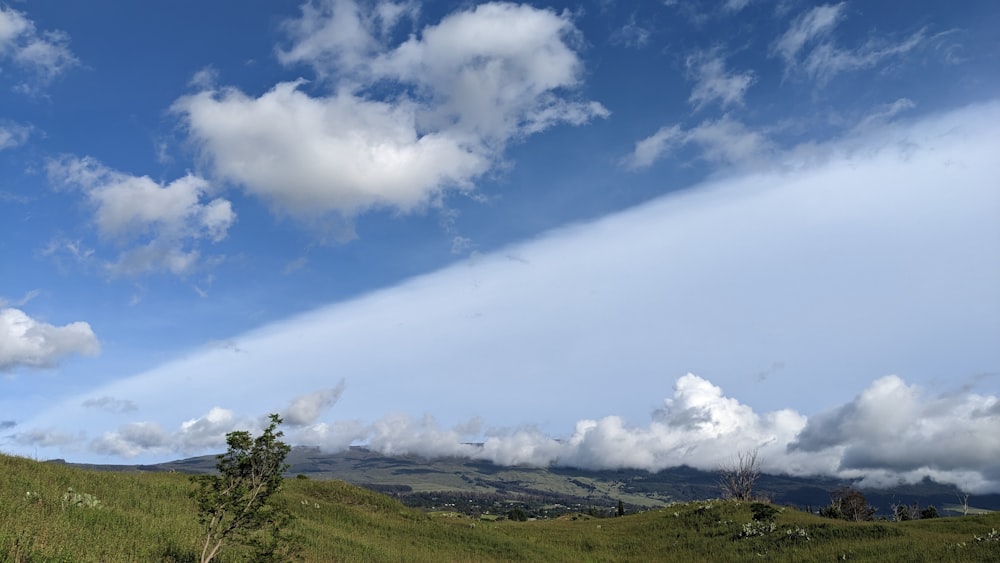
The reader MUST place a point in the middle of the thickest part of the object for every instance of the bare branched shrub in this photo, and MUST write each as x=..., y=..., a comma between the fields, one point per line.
x=737, y=479
x=963, y=501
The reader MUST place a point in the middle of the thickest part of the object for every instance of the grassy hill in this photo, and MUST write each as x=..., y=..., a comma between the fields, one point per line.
x=149, y=517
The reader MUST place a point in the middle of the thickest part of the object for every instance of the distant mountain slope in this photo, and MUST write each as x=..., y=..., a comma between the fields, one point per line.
x=411, y=475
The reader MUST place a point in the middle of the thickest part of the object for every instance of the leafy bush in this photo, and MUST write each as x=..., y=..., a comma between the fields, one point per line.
x=233, y=505
x=763, y=512
x=848, y=503
x=518, y=515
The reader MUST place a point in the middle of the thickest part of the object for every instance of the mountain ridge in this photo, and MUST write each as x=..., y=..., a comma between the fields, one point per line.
x=424, y=481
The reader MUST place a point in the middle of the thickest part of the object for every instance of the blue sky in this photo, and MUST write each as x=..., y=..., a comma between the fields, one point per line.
x=601, y=234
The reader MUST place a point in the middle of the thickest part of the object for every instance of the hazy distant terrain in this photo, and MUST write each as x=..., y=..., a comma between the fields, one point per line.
x=410, y=478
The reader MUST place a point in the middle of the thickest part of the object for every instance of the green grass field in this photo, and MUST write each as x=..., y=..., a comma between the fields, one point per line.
x=149, y=517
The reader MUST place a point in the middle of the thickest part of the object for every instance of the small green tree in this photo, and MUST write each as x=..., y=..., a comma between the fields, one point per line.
x=517, y=515
x=848, y=503
x=233, y=505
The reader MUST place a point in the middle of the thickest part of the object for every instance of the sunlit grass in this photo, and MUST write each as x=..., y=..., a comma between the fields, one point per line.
x=150, y=517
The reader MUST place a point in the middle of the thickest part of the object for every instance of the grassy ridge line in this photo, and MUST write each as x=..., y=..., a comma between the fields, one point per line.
x=149, y=517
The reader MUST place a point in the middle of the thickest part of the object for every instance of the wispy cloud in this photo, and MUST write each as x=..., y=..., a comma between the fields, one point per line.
x=12, y=134
x=631, y=34
x=724, y=141
x=159, y=224
x=808, y=46
x=111, y=404
x=714, y=83
x=305, y=409
x=817, y=23
x=44, y=54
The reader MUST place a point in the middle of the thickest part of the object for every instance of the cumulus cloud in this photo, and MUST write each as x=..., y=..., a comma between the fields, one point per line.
x=7, y=424
x=111, y=404
x=133, y=439
x=893, y=428
x=467, y=87
x=208, y=431
x=722, y=141
x=45, y=54
x=28, y=342
x=343, y=153
x=888, y=435
x=197, y=435
x=808, y=46
x=158, y=224
x=714, y=83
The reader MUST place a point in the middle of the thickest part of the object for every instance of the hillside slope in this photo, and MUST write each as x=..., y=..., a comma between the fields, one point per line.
x=149, y=517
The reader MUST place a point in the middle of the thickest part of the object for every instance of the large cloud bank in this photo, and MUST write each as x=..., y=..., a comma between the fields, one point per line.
x=837, y=266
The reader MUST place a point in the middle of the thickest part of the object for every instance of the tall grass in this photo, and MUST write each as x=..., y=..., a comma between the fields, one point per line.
x=150, y=517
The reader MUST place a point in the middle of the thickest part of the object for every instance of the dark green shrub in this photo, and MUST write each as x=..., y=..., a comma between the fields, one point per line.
x=763, y=512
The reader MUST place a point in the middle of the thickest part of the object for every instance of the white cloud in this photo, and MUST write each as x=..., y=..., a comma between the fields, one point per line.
x=206, y=432
x=28, y=342
x=649, y=150
x=45, y=54
x=735, y=5
x=818, y=22
x=199, y=435
x=883, y=114
x=478, y=80
x=110, y=404
x=305, y=409
x=12, y=135
x=722, y=141
x=399, y=435
x=162, y=221
x=47, y=438
x=827, y=60
x=824, y=59
x=891, y=429
x=714, y=83
x=631, y=34
x=132, y=440
x=887, y=435
x=342, y=153
x=339, y=36
x=24, y=300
